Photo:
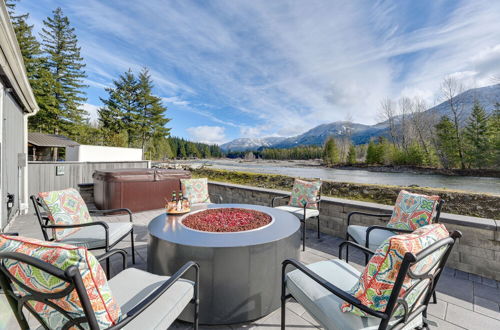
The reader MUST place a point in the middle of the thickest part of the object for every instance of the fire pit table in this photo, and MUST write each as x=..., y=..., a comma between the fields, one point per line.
x=240, y=275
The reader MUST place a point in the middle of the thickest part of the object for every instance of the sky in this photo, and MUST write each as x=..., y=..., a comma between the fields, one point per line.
x=255, y=68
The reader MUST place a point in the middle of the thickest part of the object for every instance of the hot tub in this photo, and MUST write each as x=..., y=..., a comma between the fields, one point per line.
x=136, y=189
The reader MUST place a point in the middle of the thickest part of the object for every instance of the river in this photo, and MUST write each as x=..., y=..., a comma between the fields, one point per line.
x=466, y=183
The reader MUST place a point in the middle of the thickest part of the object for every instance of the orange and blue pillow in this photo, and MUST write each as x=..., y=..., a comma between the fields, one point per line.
x=62, y=256
x=376, y=282
x=413, y=211
x=195, y=190
x=305, y=193
x=65, y=207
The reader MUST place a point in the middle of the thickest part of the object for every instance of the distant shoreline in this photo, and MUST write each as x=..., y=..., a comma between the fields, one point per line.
x=364, y=167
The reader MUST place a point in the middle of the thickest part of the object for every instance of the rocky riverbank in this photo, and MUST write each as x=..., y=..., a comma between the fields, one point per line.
x=457, y=202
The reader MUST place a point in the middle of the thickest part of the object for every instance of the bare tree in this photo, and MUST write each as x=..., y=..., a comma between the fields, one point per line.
x=450, y=89
x=388, y=113
x=420, y=122
x=405, y=105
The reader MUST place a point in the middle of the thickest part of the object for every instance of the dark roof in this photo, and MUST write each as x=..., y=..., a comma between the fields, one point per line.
x=49, y=140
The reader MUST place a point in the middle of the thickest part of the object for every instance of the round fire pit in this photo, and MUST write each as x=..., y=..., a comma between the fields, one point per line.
x=239, y=248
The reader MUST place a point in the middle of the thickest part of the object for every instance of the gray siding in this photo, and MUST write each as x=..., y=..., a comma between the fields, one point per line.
x=13, y=144
x=42, y=175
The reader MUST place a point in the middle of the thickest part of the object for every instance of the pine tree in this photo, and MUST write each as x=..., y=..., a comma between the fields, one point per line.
x=41, y=81
x=447, y=143
x=149, y=114
x=330, y=152
x=477, y=137
x=119, y=111
x=64, y=62
x=494, y=128
x=351, y=156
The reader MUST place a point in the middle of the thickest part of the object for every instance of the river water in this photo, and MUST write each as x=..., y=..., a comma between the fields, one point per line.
x=466, y=183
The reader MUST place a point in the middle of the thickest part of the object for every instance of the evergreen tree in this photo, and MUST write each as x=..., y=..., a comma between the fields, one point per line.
x=447, y=143
x=41, y=80
x=477, y=137
x=330, y=152
x=351, y=156
x=150, y=112
x=118, y=112
x=494, y=128
x=64, y=62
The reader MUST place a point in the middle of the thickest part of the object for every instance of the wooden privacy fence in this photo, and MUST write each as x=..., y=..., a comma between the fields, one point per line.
x=48, y=176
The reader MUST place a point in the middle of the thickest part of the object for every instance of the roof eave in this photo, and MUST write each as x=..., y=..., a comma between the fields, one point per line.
x=12, y=65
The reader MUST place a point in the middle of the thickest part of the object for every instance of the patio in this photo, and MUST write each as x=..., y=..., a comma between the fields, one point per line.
x=465, y=301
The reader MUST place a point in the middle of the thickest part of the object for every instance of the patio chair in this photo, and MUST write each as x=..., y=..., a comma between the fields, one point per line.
x=304, y=203
x=196, y=191
x=384, y=295
x=66, y=214
x=410, y=212
x=67, y=289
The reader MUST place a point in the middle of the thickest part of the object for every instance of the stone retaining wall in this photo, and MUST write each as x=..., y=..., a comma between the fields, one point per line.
x=478, y=252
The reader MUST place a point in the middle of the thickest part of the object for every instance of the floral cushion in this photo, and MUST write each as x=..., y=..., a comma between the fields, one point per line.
x=107, y=311
x=305, y=192
x=65, y=207
x=195, y=190
x=413, y=211
x=375, y=284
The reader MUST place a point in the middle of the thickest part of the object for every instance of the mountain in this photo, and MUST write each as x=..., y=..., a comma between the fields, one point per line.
x=244, y=144
x=360, y=134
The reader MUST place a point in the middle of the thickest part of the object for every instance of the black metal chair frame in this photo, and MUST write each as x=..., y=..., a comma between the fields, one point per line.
x=303, y=221
x=72, y=276
x=44, y=221
x=409, y=259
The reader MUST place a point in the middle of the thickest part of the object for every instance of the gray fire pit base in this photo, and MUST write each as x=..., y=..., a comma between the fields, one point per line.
x=240, y=275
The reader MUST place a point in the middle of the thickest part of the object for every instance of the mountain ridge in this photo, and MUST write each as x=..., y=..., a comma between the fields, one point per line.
x=360, y=133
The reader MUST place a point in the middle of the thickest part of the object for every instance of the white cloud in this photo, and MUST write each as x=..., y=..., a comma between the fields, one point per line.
x=175, y=100
x=92, y=111
x=207, y=134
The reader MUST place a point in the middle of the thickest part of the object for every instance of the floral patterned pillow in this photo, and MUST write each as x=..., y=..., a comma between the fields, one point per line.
x=65, y=207
x=62, y=256
x=305, y=193
x=375, y=284
x=195, y=190
x=413, y=211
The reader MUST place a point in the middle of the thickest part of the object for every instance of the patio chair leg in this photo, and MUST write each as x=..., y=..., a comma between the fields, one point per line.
x=434, y=298
x=318, y=228
x=283, y=309
x=303, y=235
x=132, y=245
x=108, y=273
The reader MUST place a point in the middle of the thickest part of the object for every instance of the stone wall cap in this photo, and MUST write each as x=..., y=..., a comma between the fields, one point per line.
x=468, y=221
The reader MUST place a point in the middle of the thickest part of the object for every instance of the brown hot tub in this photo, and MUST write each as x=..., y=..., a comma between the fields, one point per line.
x=136, y=189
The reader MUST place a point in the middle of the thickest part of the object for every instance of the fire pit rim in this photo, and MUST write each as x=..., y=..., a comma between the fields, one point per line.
x=181, y=221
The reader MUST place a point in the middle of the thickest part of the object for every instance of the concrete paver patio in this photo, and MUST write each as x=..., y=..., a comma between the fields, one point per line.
x=465, y=301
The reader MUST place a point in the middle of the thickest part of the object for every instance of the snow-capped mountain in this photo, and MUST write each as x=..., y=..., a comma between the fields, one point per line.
x=486, y=96
x=244, y=144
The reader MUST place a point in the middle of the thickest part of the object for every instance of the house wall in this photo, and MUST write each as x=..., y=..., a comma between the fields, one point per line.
x=89, y=153
x=13, y=157
x=477, y=252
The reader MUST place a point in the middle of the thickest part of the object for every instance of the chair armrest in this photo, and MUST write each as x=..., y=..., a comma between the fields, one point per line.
x=363, y=249
x=276, y=198
x=104, y=212
x=330, y=287
x=366, y=214
x=10, y=234
x=108, y=254
x=153, y=296
x=86, y=224
x=219, y=197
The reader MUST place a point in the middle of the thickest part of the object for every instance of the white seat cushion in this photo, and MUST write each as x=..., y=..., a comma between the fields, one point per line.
x=299, y=212
x=323, y=305
x=377, y=236
x=93, y=237
x=132, y=286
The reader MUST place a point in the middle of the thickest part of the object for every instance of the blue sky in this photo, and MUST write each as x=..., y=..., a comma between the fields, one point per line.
x=228, y=69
